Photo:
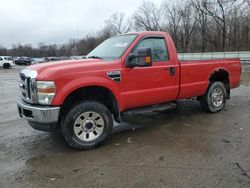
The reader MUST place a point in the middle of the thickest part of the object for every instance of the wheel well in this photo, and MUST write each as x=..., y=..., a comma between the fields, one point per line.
x=97, y=93
x=221, y=75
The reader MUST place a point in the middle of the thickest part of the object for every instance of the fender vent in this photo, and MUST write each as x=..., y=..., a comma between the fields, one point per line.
x=114, y=75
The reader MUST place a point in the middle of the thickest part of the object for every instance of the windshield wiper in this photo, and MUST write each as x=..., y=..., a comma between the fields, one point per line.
x=95, y=57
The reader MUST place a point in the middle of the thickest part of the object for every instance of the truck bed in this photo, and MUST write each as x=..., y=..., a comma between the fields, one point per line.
x=194, y=77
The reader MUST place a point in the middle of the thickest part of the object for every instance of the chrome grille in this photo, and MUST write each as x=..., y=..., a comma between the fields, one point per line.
x=25, y=87
x=27, y=94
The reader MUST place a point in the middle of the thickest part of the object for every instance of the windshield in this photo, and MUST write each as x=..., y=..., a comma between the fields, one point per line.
x=112, y=48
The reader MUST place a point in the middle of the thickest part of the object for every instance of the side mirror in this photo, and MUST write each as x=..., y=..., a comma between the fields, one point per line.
x=143, y=58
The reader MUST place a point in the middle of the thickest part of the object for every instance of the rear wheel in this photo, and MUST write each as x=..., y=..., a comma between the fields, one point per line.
x=214, y=99
x=6, y=65
x=87, y=125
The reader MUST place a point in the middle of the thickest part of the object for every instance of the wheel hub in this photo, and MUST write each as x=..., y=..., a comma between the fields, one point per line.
x=89, y=126
x=217, y=97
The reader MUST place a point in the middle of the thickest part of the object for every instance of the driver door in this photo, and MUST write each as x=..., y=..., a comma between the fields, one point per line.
x=142, y=86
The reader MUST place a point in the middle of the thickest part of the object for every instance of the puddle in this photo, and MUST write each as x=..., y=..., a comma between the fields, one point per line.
x=245, y=76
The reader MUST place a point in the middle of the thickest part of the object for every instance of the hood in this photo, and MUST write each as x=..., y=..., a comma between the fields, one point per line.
x=49, y=70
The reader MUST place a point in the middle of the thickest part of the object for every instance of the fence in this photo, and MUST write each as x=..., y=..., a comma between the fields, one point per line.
x=243, y=55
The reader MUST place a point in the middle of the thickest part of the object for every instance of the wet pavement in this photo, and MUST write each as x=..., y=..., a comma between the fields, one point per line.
x=183, y=148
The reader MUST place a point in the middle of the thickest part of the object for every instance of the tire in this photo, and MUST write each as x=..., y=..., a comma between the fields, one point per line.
x=6, y=66
x=214, y=99
x=83, y=130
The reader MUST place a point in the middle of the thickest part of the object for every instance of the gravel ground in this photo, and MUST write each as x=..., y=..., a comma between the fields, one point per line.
x=183, y=148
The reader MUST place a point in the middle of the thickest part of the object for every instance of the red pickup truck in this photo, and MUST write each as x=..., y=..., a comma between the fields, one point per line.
x=133, y=72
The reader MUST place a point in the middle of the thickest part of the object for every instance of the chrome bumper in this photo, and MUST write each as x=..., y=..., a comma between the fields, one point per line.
x=39, y=114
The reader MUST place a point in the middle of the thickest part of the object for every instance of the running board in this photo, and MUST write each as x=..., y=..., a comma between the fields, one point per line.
x=151, y=109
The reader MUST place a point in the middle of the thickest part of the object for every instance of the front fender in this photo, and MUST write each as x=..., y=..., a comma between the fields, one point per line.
x=78, y=83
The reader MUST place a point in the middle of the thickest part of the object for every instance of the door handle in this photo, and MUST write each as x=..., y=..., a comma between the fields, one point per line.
x=171, y=70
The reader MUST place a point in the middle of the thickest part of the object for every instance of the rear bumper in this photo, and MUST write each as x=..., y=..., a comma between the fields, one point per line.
x=42, y=118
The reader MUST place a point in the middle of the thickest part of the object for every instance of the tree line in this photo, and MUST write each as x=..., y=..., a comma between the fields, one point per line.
x=195, y=26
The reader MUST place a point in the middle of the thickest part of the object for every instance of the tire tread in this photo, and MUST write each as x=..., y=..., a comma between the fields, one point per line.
x=67, y=124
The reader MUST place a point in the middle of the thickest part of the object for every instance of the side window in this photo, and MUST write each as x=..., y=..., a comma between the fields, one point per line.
x=158, y=47
x=1, y=59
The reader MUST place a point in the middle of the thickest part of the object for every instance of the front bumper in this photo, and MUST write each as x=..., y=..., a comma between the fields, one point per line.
x=38, y=114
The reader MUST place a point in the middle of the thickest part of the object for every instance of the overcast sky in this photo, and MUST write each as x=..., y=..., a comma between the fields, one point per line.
x=55, y=21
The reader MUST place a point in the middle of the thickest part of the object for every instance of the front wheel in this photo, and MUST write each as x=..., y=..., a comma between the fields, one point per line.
x=214, y=99
x=87, y=125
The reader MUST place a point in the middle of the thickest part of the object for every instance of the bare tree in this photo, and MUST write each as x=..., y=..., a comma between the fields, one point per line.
x=188, y=23
x=3, y=51
x=219, y=10
x=180, y=22
x=202, y=20
x=148, y=17
x=195, y=25
x=246, y=28
x=172, y=19
x=117, y=24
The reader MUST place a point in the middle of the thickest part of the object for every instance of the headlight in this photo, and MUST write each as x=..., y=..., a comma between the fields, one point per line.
x=45, y=91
